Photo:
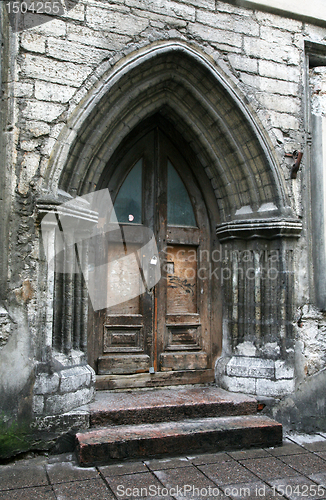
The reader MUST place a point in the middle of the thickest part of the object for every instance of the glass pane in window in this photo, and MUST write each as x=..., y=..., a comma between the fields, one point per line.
x=128, y=203
x=180, y=211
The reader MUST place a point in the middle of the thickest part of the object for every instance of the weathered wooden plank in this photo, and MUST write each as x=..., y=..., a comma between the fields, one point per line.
x=137, y=363
x=183, y=361
x=182, y=279
x=157, y=379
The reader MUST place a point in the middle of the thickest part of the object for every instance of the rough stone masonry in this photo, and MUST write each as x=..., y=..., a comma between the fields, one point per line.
x=56, y=75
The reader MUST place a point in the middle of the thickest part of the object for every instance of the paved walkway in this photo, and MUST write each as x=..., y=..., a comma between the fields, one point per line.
x=297, y=470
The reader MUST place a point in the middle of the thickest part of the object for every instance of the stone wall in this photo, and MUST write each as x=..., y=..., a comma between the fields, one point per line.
x=56, y=71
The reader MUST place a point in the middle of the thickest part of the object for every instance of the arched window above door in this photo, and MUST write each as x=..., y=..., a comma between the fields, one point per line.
x=128, y=204
x=180, y=210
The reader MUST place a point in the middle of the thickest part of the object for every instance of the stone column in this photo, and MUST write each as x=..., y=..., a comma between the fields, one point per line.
x=259, y=303
x=65, y=381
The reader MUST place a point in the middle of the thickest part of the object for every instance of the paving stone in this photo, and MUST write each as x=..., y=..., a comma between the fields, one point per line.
x=21, y=476
x=122, y=468
x=319, y=478
x=192, y=482
x=38, y=493
x=297, y=488
x=316, y=446
x=67, y=471
x=90, y=489
x=228, y=473
x=168, y=463
x=269, y=468
x=286, y=449
x=210, y=458
x=304, y=439
x=246, y=454
x=135, y=485
x=249, y=491
x=308, y=461
x=62, y=457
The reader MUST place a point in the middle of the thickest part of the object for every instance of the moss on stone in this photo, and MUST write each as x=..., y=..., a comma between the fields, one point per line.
x=15, y=437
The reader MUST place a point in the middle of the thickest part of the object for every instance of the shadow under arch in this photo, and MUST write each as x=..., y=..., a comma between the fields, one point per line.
x=181, y=84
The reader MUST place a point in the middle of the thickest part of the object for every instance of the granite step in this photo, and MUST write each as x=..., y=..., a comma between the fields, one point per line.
x=168, y=404
x=118, y=442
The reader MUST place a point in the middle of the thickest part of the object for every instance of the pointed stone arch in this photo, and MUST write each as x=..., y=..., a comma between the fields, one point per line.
x=183, y=85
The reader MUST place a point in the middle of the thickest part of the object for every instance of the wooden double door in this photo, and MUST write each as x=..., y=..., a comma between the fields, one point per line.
x=164, y=332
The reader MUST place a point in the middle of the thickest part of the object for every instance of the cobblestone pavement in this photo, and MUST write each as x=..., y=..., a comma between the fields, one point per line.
x=297, y=470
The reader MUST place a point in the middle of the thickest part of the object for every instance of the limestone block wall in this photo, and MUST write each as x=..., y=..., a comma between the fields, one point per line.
x=49, y=71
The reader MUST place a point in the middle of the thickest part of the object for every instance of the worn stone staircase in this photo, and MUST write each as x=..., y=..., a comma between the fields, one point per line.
x=173, y=420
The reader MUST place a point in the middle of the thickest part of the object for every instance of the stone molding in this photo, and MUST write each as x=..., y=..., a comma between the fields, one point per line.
x=77, y=209
x=259, y=228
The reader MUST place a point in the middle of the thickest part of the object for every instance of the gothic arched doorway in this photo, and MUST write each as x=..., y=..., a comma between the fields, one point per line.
x=170, y=333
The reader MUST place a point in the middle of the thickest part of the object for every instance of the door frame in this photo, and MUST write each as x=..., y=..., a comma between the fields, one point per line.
x=111, y=172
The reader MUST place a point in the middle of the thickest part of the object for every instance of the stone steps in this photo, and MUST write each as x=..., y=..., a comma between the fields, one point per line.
x=160, y=405
x=169, y=421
